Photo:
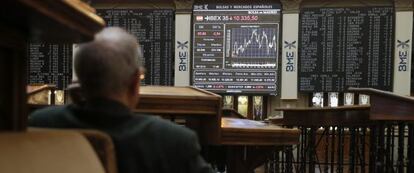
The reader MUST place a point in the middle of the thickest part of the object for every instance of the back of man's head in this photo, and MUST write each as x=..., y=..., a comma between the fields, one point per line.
x=108, y=64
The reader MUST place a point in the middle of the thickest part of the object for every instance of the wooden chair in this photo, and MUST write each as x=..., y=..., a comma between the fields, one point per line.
x=104, y=148
x=47, y=151
x=101, y=143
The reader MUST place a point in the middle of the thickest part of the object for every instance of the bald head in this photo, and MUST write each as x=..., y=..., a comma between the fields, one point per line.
x=109, y=64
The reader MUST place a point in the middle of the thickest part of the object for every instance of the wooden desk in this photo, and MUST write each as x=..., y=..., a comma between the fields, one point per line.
x=327, y=116
x=195, y=105
x=247, y=143
x=248, y=132
x=387, y=105
x=184, y=101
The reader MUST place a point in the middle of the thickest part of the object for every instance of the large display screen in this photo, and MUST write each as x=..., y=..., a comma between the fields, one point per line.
x=236, y=48
x=345, y=47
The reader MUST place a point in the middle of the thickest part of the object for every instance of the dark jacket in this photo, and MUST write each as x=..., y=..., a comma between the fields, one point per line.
x=143, y=143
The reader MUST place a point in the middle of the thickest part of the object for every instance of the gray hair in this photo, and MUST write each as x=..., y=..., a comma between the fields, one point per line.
x=108, y=63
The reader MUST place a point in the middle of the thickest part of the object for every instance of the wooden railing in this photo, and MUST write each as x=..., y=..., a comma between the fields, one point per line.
x=374, y=138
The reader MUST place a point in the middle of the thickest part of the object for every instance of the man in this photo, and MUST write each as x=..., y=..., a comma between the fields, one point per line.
x=108, y=71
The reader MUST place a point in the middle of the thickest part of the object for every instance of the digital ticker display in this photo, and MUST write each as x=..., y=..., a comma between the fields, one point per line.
x=345, y=47
x=50, y=63
x=236, y=47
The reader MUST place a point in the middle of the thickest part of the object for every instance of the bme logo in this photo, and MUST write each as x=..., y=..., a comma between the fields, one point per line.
x=182, y=45
x=290, y=55
x=290, y=45
x=403, y=47
x=182, y=55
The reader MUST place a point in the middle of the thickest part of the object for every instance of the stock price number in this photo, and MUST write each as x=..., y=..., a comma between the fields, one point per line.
x=246, y=18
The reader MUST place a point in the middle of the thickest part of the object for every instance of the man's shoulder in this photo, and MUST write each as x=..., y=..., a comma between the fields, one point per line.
x=50, y=116
x=50, y=110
